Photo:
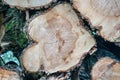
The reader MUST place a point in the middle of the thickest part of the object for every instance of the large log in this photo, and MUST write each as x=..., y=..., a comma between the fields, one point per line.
x=106, y=69
x=9, y=75
x=28, y=4
x=61, y=41
x=104, y=15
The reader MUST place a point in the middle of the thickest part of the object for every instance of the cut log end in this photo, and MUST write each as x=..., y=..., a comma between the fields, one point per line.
x=106, y=7
x=28, y=4
x=106, y=69
x=8, y=75
x=104, y=15
x=62, y=42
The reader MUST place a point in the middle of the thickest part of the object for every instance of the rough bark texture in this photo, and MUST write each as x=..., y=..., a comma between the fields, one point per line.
x=30, y=4
x=61, y=41
x=103, y=15
x=106, y=69
x=8, y=75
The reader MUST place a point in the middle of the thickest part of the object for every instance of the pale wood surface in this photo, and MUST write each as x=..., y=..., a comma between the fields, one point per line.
x=61, y=41
x=104, y=15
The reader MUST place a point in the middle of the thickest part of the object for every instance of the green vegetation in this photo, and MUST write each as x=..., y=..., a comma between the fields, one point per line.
x=15, y=30
x=14, y=33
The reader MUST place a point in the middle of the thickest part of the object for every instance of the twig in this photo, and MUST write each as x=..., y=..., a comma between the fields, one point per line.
x=27, y=14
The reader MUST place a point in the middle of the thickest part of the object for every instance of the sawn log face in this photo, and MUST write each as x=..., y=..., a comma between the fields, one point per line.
x=61, y=41
x=104, y=15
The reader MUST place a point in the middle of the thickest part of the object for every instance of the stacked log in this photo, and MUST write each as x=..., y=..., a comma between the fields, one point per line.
x=106, y=69
x=103, y=15
x=28, y=4
x=61, y=42
x=9, y=75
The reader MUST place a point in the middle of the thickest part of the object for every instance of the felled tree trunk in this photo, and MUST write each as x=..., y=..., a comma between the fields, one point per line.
x=106, y=69
x=104, y=15
x=28, y=4
x=61, y=42
x=8, y=75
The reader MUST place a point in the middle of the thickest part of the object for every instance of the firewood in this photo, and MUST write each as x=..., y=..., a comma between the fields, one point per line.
x=104, y=15
x=2, y=31
x=106, y=69
x=2, y=28
x=28, y=4
x=61, y=42
x=9, y=75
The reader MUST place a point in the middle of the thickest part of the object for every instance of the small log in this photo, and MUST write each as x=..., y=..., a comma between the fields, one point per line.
x=8, y=75
x=61, y=41
x=28, y=4
x=2, y=30
x=104, y=15
x=106, y=69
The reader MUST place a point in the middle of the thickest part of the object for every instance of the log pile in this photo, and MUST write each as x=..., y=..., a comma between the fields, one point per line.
x=60, y=41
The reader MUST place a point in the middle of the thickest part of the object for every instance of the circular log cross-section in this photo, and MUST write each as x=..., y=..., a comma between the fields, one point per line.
x=61, y=41
x=29, y=4
x=8, y=75
x=106, y=69
x=104, y=15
